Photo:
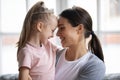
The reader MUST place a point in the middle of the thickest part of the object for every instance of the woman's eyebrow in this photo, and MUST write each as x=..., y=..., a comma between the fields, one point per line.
x=60, y=25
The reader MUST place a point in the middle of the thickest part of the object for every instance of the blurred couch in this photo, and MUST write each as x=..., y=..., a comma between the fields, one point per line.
x=115, y=76
x=9, y=77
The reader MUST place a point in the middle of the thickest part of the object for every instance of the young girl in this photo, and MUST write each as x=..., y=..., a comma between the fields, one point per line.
x=36, y=55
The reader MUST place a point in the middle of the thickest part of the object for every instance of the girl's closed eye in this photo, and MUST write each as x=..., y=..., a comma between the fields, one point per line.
x=53, y=30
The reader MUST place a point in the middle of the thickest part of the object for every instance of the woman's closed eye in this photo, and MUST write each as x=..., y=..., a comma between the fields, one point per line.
x=61, y=28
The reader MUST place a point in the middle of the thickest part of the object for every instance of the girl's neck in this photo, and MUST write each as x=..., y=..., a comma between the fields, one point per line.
x=34, y=41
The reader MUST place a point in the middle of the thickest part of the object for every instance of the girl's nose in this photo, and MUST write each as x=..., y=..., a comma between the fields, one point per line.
x=58, y=33
x=52, y=35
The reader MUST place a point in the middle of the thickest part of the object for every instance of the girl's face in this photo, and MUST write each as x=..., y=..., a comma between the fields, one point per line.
x=69, y=35
x=49, y=29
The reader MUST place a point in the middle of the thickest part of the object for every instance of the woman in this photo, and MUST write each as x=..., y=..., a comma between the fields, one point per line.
x=77, y=61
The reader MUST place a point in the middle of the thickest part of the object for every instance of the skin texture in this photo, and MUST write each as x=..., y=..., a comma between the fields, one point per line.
x=24, y=74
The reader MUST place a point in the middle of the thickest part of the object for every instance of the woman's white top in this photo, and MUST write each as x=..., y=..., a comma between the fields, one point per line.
x=88, y=67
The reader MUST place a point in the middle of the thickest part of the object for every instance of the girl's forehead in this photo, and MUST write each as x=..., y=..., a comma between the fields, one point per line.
x=53, y=24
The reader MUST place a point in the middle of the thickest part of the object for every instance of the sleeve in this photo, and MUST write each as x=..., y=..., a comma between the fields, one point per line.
x=55, y=48
x=94, y=70
x=24, y=58
x=58, y=55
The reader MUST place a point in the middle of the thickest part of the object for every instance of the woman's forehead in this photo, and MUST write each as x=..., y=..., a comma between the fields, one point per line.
x=62, y=21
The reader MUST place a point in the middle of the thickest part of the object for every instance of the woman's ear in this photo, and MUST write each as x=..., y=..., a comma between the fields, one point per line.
x=40, y=26
x=80, y=28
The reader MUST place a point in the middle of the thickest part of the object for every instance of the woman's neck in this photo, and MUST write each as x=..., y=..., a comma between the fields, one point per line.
x=75, y=52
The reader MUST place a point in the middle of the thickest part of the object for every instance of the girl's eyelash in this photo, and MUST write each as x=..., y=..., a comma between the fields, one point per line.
x=61, y=27
x=53, y=30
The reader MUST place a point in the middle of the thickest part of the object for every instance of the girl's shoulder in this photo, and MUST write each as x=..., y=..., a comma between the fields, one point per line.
x=25, y=50
x=53, y=46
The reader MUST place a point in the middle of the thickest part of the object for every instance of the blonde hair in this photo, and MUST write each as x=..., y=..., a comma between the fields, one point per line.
x=36, y=13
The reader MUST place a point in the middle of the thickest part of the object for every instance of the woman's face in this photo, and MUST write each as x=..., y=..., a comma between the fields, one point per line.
x=69, y=35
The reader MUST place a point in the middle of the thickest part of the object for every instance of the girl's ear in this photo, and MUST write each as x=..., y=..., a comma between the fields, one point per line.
x=40, y=26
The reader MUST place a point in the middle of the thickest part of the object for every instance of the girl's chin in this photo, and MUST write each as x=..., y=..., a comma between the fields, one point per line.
x=45, y=42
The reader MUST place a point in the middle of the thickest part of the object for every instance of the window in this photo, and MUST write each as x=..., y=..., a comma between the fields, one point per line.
x=110, y=34
x=12, y=14
x=110, y=15
x=90, y=6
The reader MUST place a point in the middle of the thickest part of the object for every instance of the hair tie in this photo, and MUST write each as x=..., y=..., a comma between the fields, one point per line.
x=92, y=32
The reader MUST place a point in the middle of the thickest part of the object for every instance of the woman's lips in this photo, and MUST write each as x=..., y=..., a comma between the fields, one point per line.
x=62, y=40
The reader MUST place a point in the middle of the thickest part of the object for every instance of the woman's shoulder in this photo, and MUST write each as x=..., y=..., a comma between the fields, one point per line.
x=93, y=59
x=94, y=63
x=94, y=69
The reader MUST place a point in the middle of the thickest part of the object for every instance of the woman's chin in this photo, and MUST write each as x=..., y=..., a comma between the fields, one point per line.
x=64, y=45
